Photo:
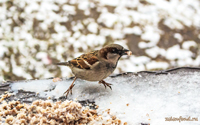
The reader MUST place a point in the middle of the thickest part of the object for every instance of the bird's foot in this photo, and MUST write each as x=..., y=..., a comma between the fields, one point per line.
x=105, y=84
x=69, y=90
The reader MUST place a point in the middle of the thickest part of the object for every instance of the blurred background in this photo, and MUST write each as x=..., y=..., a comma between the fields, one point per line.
x=35, y=34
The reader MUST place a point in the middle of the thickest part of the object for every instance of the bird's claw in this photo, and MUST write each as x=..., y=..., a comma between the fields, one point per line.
x=70, y=87
x=69, y=90
x=105, y=84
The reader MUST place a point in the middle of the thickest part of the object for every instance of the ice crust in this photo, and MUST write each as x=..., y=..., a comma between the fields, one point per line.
x=135, y=99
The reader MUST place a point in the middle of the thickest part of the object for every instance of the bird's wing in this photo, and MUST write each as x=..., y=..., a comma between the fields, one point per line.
x=85, y=61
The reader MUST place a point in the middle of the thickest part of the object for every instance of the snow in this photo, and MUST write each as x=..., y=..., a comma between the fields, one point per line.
x=155, y=51
x=110, y=2
x=69, y=9
x=127, y=17
x=34, y=86
x=139, y=60
x=3, y=50
x=44, y=57
x=92, y=27
x=151, y=35
x=176, y=53
x=173, y=24
x=178, y=37
x=108, y=19
x=134, y=99
x=188, y=44
x=92, y=40
x=83, y=5
x=135, y=30
x=157, y=65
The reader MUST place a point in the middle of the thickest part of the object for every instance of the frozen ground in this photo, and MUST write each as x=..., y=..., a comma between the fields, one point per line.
x=134, y=98
x=34, y=34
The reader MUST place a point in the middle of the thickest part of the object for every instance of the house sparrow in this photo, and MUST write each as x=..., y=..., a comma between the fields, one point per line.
x=96, y=65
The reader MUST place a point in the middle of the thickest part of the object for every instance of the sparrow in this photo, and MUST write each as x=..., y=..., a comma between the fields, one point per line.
x=96, y=65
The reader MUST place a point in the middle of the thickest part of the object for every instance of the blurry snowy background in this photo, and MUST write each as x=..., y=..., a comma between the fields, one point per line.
x=34, y=34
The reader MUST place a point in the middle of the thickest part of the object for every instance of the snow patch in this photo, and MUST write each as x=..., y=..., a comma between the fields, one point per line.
x=176, y=53
x=134, y=99
x=188, y=44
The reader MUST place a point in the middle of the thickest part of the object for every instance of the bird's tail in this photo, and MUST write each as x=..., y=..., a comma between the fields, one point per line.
x=62, y=63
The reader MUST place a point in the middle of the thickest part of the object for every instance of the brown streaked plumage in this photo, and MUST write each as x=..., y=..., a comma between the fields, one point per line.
x=96, y=65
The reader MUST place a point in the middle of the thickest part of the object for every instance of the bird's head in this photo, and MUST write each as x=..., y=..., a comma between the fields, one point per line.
x=113, y=52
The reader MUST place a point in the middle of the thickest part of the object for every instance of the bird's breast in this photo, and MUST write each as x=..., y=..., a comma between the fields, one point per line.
x=97, y=73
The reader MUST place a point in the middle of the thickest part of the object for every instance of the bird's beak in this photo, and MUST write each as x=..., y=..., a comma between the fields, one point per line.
x=126, y=52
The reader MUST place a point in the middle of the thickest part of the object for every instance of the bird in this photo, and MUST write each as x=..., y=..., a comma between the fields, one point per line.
x=96, y=65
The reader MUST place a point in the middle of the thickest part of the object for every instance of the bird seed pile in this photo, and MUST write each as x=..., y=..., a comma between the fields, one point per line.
x=48, y=113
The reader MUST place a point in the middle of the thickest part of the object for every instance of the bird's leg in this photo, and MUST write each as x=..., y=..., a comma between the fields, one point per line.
x=70, y=88
x=105, y=84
